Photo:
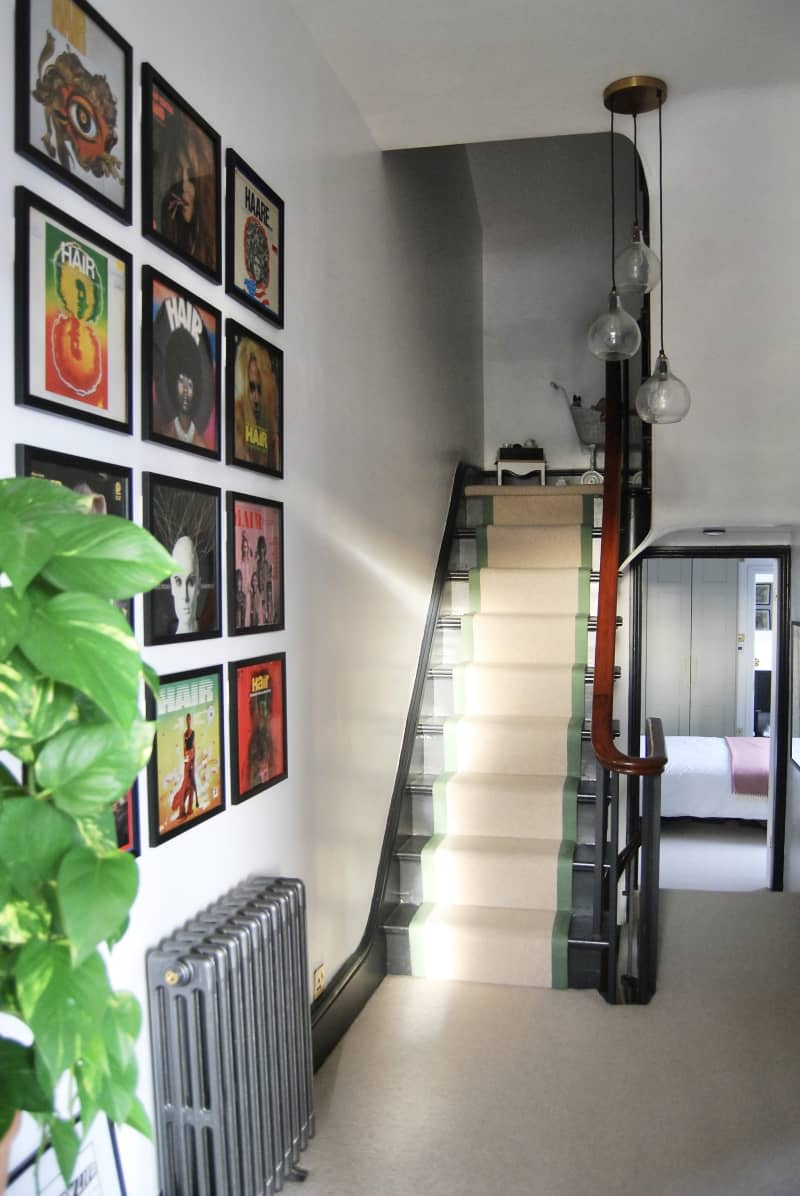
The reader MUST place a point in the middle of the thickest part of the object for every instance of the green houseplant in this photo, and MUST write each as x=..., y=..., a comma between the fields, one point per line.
x=70, y=688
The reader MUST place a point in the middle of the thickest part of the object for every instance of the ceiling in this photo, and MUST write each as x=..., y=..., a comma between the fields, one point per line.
x=441, y=72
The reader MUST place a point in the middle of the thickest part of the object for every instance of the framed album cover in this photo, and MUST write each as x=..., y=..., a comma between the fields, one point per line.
x=255, y=564
x=185, y=517
x=254, y=401
x=180, y=367
x=126, y=820
x=181, y=177
x=97, y=1171
x=186, y=774
x=73, y=317
x=107, y=486
x=73, y=100
x=257, y=695
x=255, y=238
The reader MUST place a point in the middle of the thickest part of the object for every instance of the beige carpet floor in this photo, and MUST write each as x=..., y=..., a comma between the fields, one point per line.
x=447, y=1088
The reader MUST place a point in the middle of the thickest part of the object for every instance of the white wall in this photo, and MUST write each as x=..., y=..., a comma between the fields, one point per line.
x=383, y=396
x=545, y=212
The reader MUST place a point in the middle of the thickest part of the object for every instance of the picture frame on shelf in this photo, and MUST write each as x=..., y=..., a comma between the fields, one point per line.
x=73, y=109
x=255, y=241
x=126, y=820
x=109, y=486
x=181, y=354
x=98, y=1168
x=184, y=516
x=181, y=177
x=255, y=565
x=253, y=401
x=257, y=710
x=73, y=300
x=186, y=773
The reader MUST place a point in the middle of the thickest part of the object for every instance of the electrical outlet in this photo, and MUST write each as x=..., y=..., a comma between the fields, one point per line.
x=319, y=980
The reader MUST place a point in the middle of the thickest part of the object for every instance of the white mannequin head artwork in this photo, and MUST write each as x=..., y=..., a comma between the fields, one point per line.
x=185, y=585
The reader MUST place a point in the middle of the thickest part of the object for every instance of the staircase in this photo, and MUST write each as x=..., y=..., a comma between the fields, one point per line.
x=491, y=875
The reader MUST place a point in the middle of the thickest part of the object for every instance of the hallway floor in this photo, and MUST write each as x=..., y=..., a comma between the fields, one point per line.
x=442, y=1088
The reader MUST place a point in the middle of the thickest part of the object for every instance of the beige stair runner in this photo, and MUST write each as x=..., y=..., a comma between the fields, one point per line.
x=497, y=873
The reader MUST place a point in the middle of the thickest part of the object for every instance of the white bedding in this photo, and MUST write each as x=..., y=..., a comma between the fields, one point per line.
x=697, y=781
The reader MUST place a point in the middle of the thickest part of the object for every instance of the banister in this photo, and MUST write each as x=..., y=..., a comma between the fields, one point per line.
x=603, y=744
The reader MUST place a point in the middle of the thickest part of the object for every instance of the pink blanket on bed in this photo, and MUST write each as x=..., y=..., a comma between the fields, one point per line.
x=749, y=764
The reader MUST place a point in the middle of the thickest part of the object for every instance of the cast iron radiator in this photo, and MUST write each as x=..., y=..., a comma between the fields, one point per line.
x=230, y=1032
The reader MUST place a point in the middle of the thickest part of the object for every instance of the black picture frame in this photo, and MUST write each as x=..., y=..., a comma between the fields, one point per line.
x=71, y=286
x=98, y=1160
x=253, y=425
x=255, y=241
x=110, y=486
x=184, y=516
x=763, y=593
x=126, y=821
x=192, y=704
x=256, y=598
x=181, y=177
x=257, y=712
x=795, y=720
x=181, y=334
x=763, y=619
x=73, y=109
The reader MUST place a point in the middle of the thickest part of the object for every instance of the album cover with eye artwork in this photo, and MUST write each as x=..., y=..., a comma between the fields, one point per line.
x=73, y=99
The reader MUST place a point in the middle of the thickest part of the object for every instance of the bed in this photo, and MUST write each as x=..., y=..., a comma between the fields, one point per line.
x=698, y=780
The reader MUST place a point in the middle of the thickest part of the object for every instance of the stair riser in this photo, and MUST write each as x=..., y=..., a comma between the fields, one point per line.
x=449, y=648
x=429, y=758
x=406, y=886
x=456, y=598
x=517, y=882
x=528, y=693
x=513, y=510
x=417, y=819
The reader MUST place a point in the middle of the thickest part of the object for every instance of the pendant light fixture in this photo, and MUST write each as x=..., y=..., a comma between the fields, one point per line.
x=615, y=335
x=638, y=269
x=663, y=398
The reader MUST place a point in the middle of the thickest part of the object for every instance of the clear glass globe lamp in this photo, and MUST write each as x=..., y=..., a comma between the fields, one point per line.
x=637, y=268
x=615, y=335
x=663, y=398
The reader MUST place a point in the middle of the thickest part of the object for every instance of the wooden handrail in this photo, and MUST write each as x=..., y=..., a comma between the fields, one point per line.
x=605, y=644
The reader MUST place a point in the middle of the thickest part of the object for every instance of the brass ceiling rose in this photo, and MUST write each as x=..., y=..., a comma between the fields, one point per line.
x=634, y=95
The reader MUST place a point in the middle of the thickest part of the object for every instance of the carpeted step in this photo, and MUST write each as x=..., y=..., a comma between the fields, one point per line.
x=488, y=638
x=539, y=547
x=490, y=945
x=543, y=746
x=486, y=804
x=529, y=591
x=508, y=872
x=504, y=510
x=519, y=689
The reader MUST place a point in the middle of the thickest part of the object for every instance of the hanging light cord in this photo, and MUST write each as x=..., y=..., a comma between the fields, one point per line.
x=613, y=211
x=661, y=213
x=635, y=173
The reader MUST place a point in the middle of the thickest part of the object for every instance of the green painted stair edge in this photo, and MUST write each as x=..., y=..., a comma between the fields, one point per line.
x=588, y=510
x=582, y=638
x=416, y=940
x=559, y=946
x=586, y=546
x=569, y=808
x=440, y=803
x=482, y=546
x=427, y=866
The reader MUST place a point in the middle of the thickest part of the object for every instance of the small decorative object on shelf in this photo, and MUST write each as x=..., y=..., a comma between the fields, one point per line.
x=590, y=425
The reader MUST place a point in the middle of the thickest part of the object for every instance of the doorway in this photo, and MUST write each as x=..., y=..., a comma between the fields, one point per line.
x=714, y=653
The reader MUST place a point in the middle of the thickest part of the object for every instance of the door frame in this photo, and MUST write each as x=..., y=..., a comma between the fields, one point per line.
x=781, y=555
